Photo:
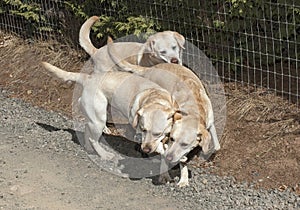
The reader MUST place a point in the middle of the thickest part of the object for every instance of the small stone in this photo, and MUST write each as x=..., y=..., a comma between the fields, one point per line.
x=204, y=181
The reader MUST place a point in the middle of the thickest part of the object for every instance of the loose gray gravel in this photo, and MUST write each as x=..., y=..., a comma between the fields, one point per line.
x=53, y=132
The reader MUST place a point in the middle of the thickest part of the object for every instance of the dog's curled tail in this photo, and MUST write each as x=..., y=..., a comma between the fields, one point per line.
x=84, y=35
x=64, y=75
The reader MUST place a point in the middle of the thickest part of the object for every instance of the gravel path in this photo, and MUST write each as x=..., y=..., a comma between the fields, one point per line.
x=42, y=167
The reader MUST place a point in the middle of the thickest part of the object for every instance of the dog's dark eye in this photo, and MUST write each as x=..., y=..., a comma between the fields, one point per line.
x=184, y=144
x=174, y=47
x=143, y=129
x=163, y=52
x=156, y=134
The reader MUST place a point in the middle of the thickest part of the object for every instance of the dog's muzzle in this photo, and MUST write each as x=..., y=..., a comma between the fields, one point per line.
x=146, y=149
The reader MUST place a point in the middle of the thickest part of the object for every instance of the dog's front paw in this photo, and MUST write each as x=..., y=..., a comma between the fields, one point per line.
x=107, y=131
x=183, y=183
x=184, y=176
x=106, y=156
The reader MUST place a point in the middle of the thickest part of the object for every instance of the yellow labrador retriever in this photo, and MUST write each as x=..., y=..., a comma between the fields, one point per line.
x=195, y=126
x=148, y=107
x=162, y=47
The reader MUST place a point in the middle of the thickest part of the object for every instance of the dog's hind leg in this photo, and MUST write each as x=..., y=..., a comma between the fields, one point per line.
x=164, y=176
x=95, y=110
x=94, y=132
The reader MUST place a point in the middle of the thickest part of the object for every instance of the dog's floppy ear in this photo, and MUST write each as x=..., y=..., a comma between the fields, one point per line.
x=147, y=48
x=180, y=39
x=178, y=115
x=109, y=40
x=174, y=114
x=204, y=139
x=136, y=117
x=135, y=120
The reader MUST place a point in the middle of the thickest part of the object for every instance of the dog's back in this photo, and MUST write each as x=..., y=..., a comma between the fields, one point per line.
x=103, y=62
x=123, y=87
x=118, y=87
x=192, y=85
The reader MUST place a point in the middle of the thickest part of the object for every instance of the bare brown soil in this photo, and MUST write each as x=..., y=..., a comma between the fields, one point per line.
x=260, y=143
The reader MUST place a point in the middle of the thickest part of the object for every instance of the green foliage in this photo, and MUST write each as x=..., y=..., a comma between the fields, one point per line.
x=77, y=10
x=122, y=22
x=136, y=25
x=119, y=23
x=269, y=26
x=28, y=12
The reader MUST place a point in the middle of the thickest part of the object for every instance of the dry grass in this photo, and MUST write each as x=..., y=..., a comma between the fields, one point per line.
x=23, y=75
x=260, y=143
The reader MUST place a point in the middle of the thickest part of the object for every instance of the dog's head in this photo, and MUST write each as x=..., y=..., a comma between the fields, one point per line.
x=164, y=47
x=187, y=134
x=153, y=123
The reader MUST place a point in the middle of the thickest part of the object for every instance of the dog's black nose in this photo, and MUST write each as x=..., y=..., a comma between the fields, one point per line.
x=174, y=60
x=146, y=149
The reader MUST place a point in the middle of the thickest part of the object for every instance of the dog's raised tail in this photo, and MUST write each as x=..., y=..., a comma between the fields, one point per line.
x=84, y=35
x=64, y=75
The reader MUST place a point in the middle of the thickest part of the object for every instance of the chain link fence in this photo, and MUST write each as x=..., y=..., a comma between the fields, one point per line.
x=252, y=42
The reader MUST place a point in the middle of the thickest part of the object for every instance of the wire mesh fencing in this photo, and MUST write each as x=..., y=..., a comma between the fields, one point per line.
x=251, y=42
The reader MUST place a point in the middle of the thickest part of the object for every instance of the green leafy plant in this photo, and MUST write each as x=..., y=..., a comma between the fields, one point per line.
x=121, y=23
x=28, y=13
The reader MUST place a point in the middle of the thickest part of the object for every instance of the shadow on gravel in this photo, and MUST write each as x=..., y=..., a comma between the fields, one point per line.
x=51, y=128
x=136, y=164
